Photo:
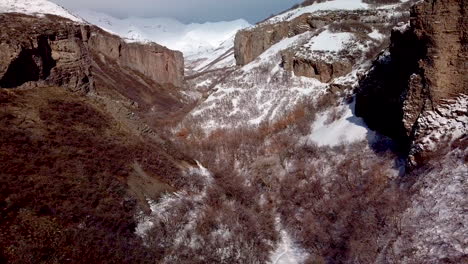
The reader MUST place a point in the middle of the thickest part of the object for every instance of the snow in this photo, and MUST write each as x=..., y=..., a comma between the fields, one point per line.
x=222, y=56
x=263, y=91
x=252, y=96
x=328, y=5
x=36, y=7
x=448, y=119
x=274, y=50
x=329, y=41
x=402, y=27
x=286, y=252
x=194, y=40
x=348, y=128
x=435, y=223
x=376, y=35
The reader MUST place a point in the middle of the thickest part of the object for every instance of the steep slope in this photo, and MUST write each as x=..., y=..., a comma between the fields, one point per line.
x=433, y=227
x=85, y=58
x=285, y=172
x=71, y=179
x=252, y=42
x=78, y=159
x=417, y=93
x=283, y=125
x=288, y=62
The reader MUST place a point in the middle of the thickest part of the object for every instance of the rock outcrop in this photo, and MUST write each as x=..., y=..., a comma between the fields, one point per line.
x=250, y=43
x=320, y=69
x=323, y=65
x=152, y=60
x=426, y=67
x=55, y=51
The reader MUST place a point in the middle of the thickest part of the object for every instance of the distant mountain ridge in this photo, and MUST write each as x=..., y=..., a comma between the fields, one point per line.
x=191, y=39
x=199, y=42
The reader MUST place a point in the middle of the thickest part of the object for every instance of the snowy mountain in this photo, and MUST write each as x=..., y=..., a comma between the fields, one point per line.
x=36, y=7
x=199, y=42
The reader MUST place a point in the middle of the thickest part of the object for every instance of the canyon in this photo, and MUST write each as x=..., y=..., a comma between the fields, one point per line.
x=333, y=132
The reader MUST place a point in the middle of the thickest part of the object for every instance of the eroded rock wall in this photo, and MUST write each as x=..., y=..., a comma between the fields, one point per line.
x=34, y=51
x=160, y=64
x=250, y=43
x=426, y=67
x=320, y=69
x=54, y=51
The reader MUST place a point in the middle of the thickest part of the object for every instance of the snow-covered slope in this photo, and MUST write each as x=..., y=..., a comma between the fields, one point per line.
x=268, y=89
x=36, y=7
x=325, y=6
x=196, y=41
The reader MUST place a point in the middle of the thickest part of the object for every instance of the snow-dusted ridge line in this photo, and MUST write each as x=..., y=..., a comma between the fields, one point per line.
x=37, y=7
x=325, y=6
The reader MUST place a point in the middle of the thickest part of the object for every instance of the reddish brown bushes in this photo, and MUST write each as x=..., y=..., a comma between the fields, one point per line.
x=63, y=186
x=340, y=216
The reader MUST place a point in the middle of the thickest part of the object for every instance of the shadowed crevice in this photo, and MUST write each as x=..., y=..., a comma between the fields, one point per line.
x=31, y=65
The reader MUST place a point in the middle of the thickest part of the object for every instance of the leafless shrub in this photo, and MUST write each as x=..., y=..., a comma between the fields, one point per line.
x=340, y=216
x=350, y=26
x=381, y=2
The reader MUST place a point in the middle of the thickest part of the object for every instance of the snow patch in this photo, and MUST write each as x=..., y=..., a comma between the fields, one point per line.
x=376, y=35
x=329, y=41
x=328, y=5
x=448, y=119
x=347, y=128
x=402, y=27
x=287, y=252
x=36, y=7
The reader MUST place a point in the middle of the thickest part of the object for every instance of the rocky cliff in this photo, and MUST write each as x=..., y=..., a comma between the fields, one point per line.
x=318, y=68
x=56, y=51
x=425, y=69
x=78, y=159
x=252, y=42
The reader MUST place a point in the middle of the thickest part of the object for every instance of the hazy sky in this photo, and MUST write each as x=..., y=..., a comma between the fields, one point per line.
x=185, y=10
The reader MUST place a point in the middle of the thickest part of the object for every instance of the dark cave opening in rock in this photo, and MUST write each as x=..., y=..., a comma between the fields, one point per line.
x=30, y=65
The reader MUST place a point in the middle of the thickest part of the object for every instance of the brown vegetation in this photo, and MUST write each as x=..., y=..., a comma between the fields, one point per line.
x=63, y=176
x=340, y=217
x=381, y=2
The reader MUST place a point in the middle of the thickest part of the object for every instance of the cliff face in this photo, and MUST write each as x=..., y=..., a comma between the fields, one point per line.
x=74, y=101
x=426, y=68
x=37, y=53
x=152, y=60
x=315, y=63
x=250, y=43
x=52, y=50
x=318, y=68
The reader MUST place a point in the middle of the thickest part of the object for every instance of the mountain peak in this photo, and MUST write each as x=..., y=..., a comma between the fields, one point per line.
x=36, y=7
